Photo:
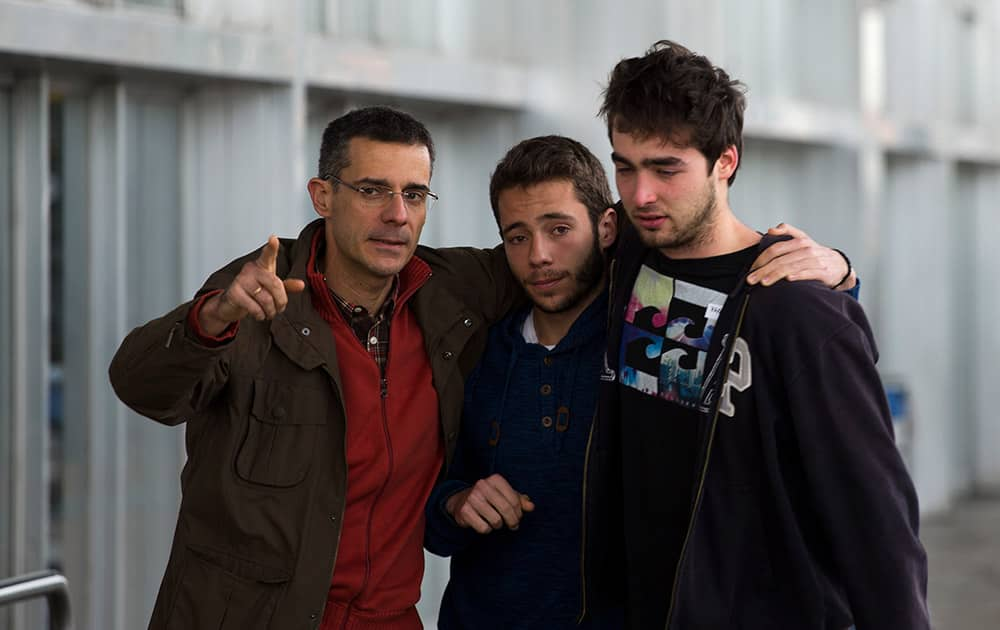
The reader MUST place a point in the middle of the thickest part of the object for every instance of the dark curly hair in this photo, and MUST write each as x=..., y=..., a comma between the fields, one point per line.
x=675, y=94
x=551, y=158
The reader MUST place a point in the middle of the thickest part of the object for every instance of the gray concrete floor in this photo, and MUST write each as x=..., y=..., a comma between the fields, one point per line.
x=963, y=550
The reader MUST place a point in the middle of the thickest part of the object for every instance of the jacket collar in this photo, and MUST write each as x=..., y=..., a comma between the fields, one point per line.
x=301, y=332
x=413, y=275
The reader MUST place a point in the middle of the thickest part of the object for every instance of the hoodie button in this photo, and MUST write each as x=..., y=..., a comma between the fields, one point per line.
x=547, y=421
x=467, y=322
x=547, y=361
x=306, y=331
x=446, y=355
x=545, y=389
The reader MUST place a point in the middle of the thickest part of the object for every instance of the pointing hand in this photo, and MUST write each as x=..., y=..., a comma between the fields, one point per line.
x=256, y=291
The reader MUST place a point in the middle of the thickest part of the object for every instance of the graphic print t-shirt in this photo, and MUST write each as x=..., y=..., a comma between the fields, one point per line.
x=669, y=322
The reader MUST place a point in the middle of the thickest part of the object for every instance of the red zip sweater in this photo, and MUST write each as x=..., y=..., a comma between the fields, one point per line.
x=394, y=455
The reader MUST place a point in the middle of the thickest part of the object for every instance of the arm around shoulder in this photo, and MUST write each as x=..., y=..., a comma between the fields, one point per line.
x=480, y=276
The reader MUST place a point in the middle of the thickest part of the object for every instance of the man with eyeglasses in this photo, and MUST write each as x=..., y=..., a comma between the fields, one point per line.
x=321, y=379
x=337, y=354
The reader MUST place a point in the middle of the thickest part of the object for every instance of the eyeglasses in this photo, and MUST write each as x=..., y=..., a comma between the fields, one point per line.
x=380, y=197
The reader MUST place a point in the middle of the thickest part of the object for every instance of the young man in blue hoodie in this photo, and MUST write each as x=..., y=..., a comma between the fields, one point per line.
x=529, y=404
x=517, y=512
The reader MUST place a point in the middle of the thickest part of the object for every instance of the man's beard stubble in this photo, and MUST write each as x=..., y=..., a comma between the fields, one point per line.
x=695, y=232
x=588, y=276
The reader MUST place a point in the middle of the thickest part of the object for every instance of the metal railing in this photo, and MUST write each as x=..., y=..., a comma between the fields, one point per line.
x=49, y=584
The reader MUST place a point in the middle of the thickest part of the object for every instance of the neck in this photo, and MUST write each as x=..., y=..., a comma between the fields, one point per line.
x=724, y=235
x=552, y=327
x=370, y=293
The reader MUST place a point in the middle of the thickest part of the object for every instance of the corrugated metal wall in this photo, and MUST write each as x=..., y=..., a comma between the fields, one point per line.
x=191, y=127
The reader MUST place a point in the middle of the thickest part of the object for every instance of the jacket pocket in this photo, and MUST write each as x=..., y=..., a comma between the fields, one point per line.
x=281, y=433
x=220, y=592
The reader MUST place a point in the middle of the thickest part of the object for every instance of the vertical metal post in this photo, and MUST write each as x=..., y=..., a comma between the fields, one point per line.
x=94, y=158
x=29, y=340
x=6, y=340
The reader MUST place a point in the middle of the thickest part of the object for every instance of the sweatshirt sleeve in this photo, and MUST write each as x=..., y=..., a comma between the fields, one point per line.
x=858, y=482
x=442, y=535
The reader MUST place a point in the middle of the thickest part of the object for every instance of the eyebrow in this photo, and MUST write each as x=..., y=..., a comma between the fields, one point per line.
x=374, y=181
x=648, y=162
x=559, y=216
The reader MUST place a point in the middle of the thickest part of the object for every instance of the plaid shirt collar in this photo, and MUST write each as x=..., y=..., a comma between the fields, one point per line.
x=368, y=327
x=372, y=331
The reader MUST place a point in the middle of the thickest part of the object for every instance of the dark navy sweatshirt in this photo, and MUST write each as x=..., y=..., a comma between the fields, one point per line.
x=527, y=416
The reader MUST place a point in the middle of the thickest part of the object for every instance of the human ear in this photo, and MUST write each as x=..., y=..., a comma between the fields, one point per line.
x=321, y=195
x=607, y=227
x=728, y=161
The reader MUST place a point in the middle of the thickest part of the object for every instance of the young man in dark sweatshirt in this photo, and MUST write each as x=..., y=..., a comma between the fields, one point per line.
x=762, y=485
x=529, y=404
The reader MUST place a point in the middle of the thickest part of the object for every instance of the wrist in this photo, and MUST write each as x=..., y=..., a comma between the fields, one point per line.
x=207, y=323
x=849, y=283
x=209, y=320
x=849, y=278
x=451, y=503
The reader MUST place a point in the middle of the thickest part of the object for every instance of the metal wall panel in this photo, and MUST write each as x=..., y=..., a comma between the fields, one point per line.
x=153, y=453
x=984, y=302
x=29, y=335
x=918, y=342
x=94, y=158
x=6, y=349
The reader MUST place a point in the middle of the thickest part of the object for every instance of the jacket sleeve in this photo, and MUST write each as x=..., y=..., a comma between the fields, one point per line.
x=481, y=277
x=857, y=480
x=163, y=370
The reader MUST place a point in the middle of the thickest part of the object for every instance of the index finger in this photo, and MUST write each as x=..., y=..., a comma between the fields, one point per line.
x=268, y=258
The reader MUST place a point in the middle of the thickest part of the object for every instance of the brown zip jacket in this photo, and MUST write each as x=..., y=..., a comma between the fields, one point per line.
x=260, y=554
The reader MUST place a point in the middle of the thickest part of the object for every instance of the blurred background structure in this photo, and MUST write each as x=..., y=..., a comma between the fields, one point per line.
x=143, y=143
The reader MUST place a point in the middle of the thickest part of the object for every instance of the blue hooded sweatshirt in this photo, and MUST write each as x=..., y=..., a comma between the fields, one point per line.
x=527, y=416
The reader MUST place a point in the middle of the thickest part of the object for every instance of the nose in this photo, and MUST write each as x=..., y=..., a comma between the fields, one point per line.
x=539, y=255
x=644, y=193
x=396, y=211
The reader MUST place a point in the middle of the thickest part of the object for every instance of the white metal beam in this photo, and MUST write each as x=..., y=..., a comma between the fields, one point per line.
x=129, y=39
